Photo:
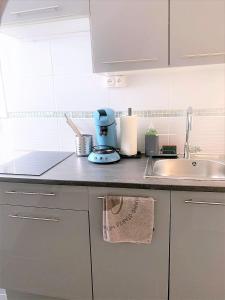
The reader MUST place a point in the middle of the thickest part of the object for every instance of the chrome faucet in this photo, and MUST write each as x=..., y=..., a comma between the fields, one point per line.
x=188, y=129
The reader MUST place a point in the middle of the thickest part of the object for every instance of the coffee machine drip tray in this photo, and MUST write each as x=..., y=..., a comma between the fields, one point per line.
x=104, y=155
x=103, y=149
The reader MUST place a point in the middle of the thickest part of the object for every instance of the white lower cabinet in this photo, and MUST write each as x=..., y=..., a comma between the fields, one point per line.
x=45, y=252
x=130, y=271
x=197, y=246
x=51, y=253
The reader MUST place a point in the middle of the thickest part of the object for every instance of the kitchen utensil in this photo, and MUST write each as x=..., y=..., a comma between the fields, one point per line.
x=73, y=126
x=83, y=145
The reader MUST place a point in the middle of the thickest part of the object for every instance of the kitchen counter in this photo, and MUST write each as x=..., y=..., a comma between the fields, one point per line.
x=128, y=173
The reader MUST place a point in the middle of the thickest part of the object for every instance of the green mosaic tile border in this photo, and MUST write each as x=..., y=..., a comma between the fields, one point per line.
x=217, y=112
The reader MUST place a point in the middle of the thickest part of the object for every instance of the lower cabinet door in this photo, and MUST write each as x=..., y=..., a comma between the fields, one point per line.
x=197, y=246
x=126, y=271
x=45, y=252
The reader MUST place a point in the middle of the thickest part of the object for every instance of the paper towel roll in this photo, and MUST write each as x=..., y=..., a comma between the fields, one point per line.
x=128, y=135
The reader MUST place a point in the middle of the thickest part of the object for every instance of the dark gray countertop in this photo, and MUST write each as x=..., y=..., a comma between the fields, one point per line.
x=127, y=173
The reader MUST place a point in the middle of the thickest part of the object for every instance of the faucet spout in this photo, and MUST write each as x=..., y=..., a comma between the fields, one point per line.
x=188, y=129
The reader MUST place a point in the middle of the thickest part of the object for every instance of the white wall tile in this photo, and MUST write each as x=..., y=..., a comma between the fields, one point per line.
x=145, y=90
x=27, y=58
x=199, y=86
x=209, y=134
x=35, y=134
x=80, y=92
x=72, y=54
x=3, y=109
x=29, y=93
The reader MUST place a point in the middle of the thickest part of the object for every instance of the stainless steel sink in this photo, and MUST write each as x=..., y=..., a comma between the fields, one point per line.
x=186, y=168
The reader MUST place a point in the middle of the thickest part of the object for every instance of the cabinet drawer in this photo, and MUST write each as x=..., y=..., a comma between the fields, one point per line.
x=41, y=195
x=45, y=252
x=23, y=11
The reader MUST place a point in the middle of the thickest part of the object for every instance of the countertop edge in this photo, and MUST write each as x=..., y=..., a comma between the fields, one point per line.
x=132, y=185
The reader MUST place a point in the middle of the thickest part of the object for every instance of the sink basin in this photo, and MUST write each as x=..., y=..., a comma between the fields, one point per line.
x=187, y=168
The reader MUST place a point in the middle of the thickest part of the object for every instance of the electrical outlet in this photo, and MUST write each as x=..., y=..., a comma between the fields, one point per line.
x=115, y=81
x=120, y=81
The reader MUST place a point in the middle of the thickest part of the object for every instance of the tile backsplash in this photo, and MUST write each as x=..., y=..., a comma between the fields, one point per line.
x=54, y=74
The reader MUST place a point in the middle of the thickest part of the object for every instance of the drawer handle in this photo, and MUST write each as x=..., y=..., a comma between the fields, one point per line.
x=30, y=193
x=129, y=60
x=102, y=198
x=34, y=10
x=204, y=55
x=204, y=203
x=34, y=218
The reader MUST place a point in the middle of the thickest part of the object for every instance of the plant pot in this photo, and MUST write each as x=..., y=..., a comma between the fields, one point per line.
x=151, y=145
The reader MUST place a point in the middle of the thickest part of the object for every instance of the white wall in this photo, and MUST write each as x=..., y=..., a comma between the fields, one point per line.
x=55, y=74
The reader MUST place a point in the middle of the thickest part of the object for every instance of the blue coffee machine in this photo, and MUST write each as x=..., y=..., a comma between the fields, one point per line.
x=105, y=126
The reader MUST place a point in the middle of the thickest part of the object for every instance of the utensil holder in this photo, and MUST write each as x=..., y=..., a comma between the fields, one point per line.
x=83, y=145
x=151, y=145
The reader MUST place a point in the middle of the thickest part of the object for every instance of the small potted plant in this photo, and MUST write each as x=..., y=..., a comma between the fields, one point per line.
x=151, y=142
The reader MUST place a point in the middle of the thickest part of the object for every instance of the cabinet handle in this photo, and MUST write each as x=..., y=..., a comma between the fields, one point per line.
x=103, y=197
x=30, y=193
x=204, y=55
x=34, y=10
x=34, y=218
x=203, y=202
x=129, y=60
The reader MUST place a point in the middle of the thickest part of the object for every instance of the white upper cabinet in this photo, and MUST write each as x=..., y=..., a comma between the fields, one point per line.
x=197, y=32
x=129, y=34
x=26, y=11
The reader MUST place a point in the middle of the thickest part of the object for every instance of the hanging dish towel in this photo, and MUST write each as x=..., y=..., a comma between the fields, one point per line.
x=128, y=219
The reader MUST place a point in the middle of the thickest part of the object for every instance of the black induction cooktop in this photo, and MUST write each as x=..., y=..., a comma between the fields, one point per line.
x=35, y=163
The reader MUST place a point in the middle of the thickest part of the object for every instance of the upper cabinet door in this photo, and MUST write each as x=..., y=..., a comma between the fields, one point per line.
x=197, y=32
x=23, y=11
x=129, y=34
